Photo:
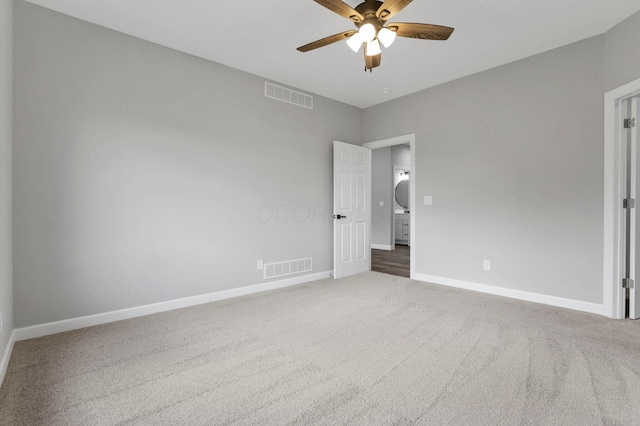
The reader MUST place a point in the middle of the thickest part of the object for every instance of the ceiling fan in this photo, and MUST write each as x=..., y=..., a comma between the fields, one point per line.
x=370, y=18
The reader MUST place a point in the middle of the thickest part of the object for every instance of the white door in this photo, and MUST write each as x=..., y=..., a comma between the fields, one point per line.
x=634, y=226
x=352, y=209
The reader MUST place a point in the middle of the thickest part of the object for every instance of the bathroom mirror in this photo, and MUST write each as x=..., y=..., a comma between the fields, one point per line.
x=402, y=194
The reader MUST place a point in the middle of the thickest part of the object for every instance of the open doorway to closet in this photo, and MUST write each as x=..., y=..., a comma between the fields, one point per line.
x=392, y=205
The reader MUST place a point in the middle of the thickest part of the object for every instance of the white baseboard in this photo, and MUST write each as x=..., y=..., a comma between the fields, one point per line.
x=382, y=247
x=4, y=363
x=577, y=305
x=138, y=311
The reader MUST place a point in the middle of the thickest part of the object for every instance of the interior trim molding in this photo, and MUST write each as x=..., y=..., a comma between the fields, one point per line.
x=382, y=247
x=613, y=241
x=396, y=140
x=138, y=311
x=576, y=305
x=4, y=363
x=411, y=140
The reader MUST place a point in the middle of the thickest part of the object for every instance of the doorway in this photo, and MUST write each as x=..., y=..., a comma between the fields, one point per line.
x=393, y=223
x=621, y=254
x=631, y=221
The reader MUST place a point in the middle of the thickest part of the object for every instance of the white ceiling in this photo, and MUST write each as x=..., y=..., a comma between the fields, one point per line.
x=261, y=37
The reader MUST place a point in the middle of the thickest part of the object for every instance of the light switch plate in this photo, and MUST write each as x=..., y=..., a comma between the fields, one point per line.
x=381, y=203
x=428, y=200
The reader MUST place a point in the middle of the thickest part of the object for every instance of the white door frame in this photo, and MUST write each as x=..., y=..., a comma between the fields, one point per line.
x=401, y=140
x=614, y=184
x=634, y=240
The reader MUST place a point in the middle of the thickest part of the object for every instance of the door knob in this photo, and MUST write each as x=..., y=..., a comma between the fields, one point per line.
x=337, y=216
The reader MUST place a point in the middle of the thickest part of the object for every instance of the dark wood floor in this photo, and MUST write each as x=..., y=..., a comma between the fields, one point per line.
x=393, y=262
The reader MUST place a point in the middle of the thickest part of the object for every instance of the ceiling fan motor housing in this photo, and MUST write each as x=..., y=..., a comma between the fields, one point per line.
x=368, y=9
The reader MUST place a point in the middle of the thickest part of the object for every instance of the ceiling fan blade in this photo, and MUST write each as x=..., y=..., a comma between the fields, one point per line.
x=342, y=9
x=372, y=61
x=421, y=31
x=390, y=8
x=326, y=41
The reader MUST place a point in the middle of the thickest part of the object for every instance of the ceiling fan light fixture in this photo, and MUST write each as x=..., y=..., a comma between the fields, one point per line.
x=367, y=32
x=355, y=41
x=373, y=48
x=386, y=36
x=370, y=18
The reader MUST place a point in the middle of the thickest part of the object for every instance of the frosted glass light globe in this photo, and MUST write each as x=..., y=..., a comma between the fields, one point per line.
x=367, y=32
x=373, y=48
x=354, y=42
x=386, y=36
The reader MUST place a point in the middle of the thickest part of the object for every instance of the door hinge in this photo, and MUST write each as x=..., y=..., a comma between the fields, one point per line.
x=629, y=123
x=627, y=283
x=629, y=203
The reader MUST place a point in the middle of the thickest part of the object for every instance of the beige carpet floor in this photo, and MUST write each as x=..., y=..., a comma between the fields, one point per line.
x=367, y=350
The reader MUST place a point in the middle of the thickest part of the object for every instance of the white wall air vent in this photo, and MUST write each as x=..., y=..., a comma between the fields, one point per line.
x=290, y=267
x=283, y=94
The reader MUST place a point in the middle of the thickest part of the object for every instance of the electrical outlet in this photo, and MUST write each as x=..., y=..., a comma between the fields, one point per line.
x=486, y=265
x=260, y=265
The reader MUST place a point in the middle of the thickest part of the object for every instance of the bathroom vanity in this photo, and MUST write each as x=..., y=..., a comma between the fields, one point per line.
x=402, y=221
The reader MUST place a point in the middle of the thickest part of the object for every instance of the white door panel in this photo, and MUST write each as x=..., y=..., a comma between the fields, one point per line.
x=352, y=204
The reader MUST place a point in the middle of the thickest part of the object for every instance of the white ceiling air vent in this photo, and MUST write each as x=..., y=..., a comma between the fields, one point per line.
x=289, y=96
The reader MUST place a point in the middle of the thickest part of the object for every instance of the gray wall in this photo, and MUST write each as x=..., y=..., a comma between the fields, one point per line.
x=6, y=286
x=401, y=155
x=381, y=190
x=622, y=53
x=513, y=159
x=143, y=174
